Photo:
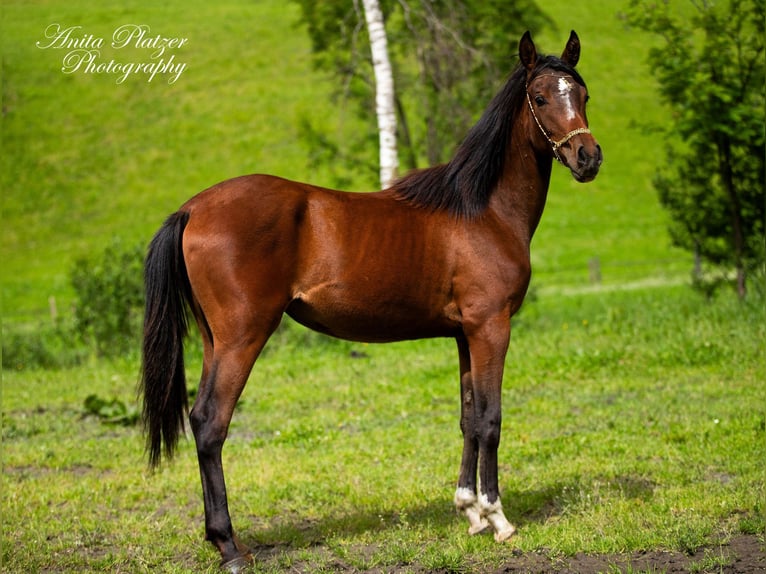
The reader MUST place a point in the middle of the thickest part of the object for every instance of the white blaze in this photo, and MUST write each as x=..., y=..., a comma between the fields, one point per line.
x=565, y=87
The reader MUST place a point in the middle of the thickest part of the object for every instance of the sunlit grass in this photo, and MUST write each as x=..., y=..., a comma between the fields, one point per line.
x=343, y=453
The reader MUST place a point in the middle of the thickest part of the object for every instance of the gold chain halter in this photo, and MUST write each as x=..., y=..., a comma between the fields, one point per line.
x=555, y=144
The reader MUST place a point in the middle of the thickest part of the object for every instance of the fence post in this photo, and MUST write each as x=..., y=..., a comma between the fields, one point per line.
x=53, y=308
x=594, y=270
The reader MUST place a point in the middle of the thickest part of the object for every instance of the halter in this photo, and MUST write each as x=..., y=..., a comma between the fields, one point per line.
x=555, y=144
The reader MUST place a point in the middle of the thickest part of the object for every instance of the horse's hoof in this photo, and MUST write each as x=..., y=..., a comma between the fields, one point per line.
x=505, y=534
x=479, y=527
x=238, y=564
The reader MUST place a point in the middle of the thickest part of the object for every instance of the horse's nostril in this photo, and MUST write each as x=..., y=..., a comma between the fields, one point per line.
x=582, y=157
x=593, y=159
x=599, y=155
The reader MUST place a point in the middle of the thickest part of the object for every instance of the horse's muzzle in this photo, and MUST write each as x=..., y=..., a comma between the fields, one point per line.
x=589, y=160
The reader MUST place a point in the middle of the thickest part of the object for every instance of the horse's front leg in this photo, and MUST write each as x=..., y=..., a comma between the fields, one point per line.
x=466, y=499
x=488, y=344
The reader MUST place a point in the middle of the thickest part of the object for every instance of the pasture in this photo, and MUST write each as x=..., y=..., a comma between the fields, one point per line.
x=634, y=419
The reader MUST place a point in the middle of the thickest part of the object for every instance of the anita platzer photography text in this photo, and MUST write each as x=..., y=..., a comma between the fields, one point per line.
x=83, y=52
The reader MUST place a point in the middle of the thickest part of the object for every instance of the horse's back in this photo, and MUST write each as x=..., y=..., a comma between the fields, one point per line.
x=244, y=201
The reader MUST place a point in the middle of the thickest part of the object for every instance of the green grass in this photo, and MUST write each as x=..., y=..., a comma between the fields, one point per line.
x=632, y=421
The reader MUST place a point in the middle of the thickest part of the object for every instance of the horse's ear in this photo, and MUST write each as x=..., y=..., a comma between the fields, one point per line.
x=527, y=51
x=571, y=53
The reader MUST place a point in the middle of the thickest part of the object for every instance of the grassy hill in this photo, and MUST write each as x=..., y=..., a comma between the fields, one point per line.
x=86, y=158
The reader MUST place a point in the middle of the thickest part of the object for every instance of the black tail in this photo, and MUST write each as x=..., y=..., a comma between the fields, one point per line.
x=163, y=380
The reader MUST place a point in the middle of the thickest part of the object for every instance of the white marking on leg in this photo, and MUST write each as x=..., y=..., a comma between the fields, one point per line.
x=495, y=516
x=467, y=503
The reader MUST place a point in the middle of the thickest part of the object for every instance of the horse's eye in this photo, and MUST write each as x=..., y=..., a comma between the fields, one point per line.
x=539, y=100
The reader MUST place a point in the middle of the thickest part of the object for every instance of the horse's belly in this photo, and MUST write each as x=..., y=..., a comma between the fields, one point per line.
x=375, y=316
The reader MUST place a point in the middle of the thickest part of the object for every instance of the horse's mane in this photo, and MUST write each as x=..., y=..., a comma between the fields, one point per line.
x=464, y=185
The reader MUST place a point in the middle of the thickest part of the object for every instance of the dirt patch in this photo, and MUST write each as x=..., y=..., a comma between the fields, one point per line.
x=741, y=555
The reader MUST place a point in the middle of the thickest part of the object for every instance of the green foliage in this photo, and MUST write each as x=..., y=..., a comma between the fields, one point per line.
x=107, y=314
x=85, y=159
x=47, y=345
x=448, y=60
x=711, y=71
x=109, y=298
x=114, y=411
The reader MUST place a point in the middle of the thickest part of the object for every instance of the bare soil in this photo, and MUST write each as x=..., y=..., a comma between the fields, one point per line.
x=741, y=555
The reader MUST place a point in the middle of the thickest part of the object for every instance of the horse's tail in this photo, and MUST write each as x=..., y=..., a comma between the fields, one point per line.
x=163, y=380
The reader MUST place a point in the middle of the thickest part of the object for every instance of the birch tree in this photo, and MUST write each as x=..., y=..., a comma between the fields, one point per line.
x=384, y=92
x=448, y=58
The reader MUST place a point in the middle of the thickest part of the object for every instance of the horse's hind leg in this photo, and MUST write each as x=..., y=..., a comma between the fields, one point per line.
x=225, y=373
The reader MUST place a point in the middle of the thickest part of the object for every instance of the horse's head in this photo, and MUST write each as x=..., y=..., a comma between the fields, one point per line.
x=556, y=97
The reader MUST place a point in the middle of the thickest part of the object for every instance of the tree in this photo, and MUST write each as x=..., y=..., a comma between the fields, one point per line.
x=711, y=73
x=384, y=92
x=448, y=57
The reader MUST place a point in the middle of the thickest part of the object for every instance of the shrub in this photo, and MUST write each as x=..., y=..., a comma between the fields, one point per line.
x=43, y=345
x=109, y=298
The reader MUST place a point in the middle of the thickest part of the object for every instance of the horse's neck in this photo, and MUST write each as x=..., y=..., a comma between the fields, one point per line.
x=522, y=189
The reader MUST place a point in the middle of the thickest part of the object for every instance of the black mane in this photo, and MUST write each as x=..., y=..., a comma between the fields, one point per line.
x=464, y=185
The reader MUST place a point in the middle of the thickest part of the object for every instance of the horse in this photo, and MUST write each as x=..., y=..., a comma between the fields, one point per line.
x=442, y=252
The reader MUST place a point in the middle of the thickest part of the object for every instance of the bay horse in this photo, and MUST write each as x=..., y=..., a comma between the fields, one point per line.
x=443, y=252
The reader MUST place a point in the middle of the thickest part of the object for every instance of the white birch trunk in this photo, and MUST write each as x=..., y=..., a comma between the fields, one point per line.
x=384, y=92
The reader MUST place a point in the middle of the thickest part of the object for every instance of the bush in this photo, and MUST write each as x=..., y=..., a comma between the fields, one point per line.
x=109, y=298
x=107, y=316
x=44, y=345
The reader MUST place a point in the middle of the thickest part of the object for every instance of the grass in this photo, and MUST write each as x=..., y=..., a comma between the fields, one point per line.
x=632, y=421
x=712, y=562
